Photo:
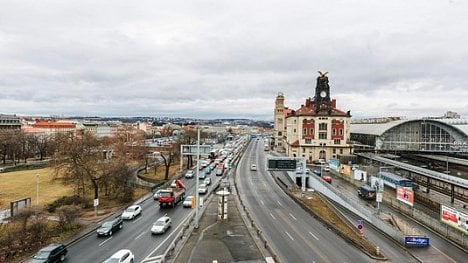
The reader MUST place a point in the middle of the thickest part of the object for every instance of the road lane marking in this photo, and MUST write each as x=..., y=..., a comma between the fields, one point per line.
x=261, y=201
x=102, y=243
x=279, y=203
x=293, y=216
x=289, y=235
x=273, y=216
x=314, y=235
x=142, y=233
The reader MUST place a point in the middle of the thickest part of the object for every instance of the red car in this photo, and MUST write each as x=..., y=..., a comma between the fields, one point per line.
x=327, y=179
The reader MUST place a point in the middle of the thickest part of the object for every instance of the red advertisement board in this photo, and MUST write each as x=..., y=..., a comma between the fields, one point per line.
x=454, y=218
x=405, y=195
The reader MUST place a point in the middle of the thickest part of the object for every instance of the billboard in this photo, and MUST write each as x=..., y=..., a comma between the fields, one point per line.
x=454, y=218
x=405, y=195
x=360, y=175
x=281, y=164
x=377, y=183
x=416, y=241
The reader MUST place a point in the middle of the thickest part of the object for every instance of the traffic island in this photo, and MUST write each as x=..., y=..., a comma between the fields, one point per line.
x=313, y=203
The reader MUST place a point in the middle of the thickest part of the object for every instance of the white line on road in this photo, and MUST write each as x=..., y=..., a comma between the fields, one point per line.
x=142, y=233
x=279, y=203
x=293, y=216
x=102, y=243
x=273, y=216
x=289, y=235
x=314, y=235
x=261, y=201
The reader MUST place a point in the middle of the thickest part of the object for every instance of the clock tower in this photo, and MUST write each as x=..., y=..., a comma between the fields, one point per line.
x=322, y=95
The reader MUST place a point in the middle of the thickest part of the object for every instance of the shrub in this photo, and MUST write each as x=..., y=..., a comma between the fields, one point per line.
x=66, y=200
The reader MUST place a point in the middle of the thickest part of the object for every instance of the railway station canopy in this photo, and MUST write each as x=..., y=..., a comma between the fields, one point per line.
x=415, y=135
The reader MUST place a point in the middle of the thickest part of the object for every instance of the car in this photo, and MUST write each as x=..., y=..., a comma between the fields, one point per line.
x=207, y=170
x=189, y=174
x=207, y=181
x=201, y=175
x=202, y=189
x=54, y=252
x=161, y=225
x=326, y=168
x=188, y=201
x=253, y=167
x=173, y=184
x=109, y=227
x=157, y=194
x=131, y=212
x=327, y=178
x=121, y=256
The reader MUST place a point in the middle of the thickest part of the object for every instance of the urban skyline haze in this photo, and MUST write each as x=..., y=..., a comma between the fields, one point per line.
x=229, y=59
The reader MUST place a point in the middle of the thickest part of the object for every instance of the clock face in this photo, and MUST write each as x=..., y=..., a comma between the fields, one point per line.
x=323, y=94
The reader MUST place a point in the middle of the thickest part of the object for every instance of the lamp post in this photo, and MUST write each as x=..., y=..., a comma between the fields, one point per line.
x=197, y=195
x=37, y=191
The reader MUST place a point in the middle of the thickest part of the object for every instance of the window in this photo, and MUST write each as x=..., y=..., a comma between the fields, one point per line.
x=334, y=131
x=322, y=126
x=308, y=141
x=334, y=150
x=341, y=131
x=294, y=130
x=337, y=141
x=323, y=135
x=311, y=131
x=304, y=131
x=280, y=133
x=341, y=151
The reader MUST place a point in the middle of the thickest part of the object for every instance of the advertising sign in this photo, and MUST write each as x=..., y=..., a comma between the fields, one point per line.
x=377, y=183
x=405, y=195
x=282, y=164
x=454, y=218
x=193, y=149
x=360, y=175
x=416, y=241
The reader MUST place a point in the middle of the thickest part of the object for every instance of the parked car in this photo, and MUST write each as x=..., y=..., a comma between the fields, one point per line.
x=202, y=189
x=207, y=181
x=326, y=168
x=189, y=174
x=157, y=194
x=188, y=201
x=253, y=167
x=55, y=252
x=121, y=256
x=161, y=225
x=131, y=212
x=208, y=170
x=109, y=227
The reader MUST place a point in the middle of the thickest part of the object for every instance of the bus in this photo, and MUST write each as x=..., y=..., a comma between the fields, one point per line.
x=392, y=180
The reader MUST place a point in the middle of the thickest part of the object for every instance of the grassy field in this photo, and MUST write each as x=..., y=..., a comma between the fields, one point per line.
x=20, y=184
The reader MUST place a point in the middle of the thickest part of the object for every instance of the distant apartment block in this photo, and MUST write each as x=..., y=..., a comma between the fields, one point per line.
x=9, y=122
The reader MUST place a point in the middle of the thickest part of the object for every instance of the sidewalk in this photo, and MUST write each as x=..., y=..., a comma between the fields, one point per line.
x=220, y=241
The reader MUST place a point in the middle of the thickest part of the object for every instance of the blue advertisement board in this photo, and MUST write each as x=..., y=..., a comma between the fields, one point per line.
x=416, y=241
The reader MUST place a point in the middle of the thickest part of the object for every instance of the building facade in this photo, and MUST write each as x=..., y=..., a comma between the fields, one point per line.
x=280, y=123
x=10, y=122
x=317, y=130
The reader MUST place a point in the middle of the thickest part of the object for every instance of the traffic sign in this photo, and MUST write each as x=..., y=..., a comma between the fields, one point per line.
x=282, y=164
x=360, y=224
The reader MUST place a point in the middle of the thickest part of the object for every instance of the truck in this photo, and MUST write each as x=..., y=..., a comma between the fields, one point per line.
x=219, y=169
x=171, y=196
x=367, y=192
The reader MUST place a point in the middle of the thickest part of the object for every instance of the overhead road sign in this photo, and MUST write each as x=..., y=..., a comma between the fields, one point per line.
x=193, y=149
x=281, y=164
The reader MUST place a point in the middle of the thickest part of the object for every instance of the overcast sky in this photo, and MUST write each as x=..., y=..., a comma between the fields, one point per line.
x=229, y=59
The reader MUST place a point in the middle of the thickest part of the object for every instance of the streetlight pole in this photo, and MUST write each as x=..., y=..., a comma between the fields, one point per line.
x=197, y=195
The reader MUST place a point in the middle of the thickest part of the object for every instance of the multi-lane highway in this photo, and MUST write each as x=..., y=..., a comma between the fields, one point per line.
x=294, y=234
x=135, y=234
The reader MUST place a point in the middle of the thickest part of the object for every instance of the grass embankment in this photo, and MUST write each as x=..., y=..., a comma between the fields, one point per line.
x=20, y=184
x=317, y=206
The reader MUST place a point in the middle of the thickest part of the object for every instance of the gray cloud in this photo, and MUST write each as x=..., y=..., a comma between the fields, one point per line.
x=230, y=58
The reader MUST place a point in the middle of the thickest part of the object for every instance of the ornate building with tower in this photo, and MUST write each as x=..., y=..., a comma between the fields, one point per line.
x=317, y=130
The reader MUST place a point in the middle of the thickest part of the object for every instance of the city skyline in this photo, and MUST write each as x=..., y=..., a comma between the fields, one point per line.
x=227, y=59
